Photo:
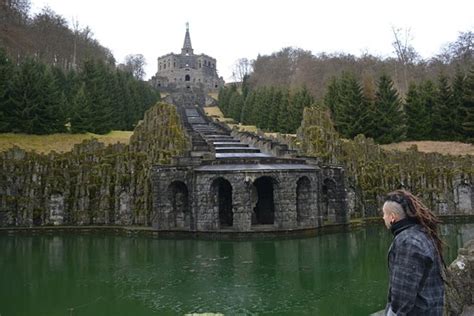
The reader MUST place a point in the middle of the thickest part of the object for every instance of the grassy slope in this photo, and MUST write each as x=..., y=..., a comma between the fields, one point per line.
x=453, y=148
x=65, y=142
x=58, y=142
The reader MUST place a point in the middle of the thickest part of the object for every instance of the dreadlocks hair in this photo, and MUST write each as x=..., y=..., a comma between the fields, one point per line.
x=414, y=208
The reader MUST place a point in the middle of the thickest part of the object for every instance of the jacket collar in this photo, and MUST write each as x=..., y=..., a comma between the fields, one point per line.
x=403, y=224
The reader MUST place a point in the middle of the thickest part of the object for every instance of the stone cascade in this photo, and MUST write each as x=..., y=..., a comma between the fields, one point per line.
x=225, y=183
x=220, y=142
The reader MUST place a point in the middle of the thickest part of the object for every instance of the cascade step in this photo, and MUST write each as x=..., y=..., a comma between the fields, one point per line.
x=223, y=136
x=241, y=155
x=236, y=150
x=226, y=142
x=229, y=144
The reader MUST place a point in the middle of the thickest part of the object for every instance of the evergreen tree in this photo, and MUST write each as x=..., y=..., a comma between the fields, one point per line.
x=444, y=112
x=249, y=103
x=458, y=100
x=283, y=112
x=35, y=103
x=81, y=112
x=417, y=118
x=428, y=97
x=277, y=96
x=235, y=105
x=332, y=96
x=6, y=73
x=390, y=125
x=261, y=109
x=94, y=76
x=299, y=101
x=468, y=108
x=353, y=112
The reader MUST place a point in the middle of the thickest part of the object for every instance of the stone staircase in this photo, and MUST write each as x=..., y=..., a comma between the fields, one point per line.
x=211, y=137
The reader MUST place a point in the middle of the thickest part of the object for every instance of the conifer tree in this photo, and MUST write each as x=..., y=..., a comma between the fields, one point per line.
x=458, y=100
x=35, y=103
x=427, y=94
x=444, y=112
x=416, y=115
x=6, y=74
x=332, y=96
x=235, y=105
x=81, y=112
x=299, y=101
x=94, y=76
x=468, y=107
x=283, y=112
x=249, y=103
x=277, y=96
x=390, y=125
x=261, y=109
x=353, y=116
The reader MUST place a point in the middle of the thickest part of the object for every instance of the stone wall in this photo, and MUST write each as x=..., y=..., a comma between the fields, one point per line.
x=444, y=181
x=93, y=184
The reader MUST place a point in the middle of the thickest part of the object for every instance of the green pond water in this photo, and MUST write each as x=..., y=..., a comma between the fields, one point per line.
x=97, y=274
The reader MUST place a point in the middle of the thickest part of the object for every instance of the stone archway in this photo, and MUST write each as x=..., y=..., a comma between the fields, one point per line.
x=187, y=78
x=264, y=211
x=303, y=200
x=221, y=191
x=180, y=216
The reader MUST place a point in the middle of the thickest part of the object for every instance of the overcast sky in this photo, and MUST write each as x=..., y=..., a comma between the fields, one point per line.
x=229, y=30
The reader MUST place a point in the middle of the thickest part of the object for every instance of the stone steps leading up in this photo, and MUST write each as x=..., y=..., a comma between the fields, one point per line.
x=213, y=138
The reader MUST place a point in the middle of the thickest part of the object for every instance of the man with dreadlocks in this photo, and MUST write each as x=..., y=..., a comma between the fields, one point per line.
x=415, y=261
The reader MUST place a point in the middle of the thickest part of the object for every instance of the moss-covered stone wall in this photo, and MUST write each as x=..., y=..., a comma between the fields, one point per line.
x=444, y=181
x=93, y=184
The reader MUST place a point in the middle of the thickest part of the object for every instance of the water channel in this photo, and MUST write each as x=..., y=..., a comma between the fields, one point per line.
x=102, y=274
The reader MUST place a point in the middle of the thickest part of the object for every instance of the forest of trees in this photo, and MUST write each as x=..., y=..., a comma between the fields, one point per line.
x=40, y=99
x=54, y=79
x=294, y=67
x=275, y=109
x=389, y=99
x=47, y=37
x=432, y=110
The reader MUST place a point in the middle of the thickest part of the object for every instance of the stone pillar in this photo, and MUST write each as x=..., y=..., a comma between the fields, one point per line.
x=207, y=215
x=242, y=204
x=285, y=202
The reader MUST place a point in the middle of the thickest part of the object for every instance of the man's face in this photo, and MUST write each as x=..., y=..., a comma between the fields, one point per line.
x=387, y=217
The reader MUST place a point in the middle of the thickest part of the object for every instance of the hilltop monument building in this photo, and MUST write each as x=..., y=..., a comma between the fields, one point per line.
x=187, y=70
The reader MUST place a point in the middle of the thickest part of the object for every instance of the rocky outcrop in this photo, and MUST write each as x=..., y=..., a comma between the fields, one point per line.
x=445, y=182
x=460, y=288
x=93, y=184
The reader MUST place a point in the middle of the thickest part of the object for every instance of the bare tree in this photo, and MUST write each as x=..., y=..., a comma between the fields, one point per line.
x=406, y=53
x=135, y=65
x=242, y=67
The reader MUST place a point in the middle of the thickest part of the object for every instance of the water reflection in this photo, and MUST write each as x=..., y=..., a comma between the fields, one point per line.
x=338, y=274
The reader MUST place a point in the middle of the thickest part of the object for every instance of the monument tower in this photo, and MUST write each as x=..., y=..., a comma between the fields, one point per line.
x=187, y=70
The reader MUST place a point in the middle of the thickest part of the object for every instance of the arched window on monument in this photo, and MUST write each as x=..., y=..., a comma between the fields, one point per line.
x=187, y=78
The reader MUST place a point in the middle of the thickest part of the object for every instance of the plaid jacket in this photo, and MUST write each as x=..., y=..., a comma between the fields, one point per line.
x=415, y=286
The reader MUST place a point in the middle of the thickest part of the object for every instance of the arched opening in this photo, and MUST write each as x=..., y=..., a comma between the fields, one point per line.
x=328, y=196
x=264, y=211
x=221, y=190
x=178, y=196
x=303, y=199
x=187, y=78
